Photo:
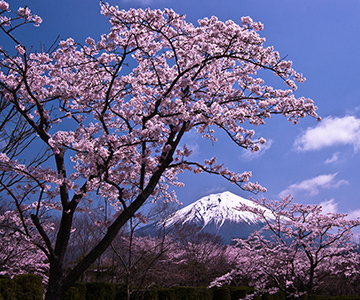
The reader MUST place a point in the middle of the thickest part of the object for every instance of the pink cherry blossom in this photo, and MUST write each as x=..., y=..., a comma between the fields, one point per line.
x=20, y=49
x=19, y=252
x=37, y=20
x=296, y=250
x=130, y=98
x=4, y=5
x=25, y=13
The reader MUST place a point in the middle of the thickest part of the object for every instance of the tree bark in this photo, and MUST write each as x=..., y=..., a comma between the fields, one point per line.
x=55, y=289
x=310, y=286
x=58, y=285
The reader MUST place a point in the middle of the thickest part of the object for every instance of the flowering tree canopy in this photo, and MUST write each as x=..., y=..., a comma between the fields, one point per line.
x=303, y=246
x=19, y=253
x=108, y=117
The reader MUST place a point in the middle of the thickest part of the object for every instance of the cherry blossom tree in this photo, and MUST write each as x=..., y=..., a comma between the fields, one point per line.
x=298, y=248
x=107, y=118
x=201, y=256
x=139, y=257
x=19, y=253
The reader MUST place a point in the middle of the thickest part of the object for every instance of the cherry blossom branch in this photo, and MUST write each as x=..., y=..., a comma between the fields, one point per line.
x=240, y=180
x=23, y=13
x=127, y=123
x=50, y=251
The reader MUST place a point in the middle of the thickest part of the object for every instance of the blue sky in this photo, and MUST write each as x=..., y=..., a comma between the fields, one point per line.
x=317, y=162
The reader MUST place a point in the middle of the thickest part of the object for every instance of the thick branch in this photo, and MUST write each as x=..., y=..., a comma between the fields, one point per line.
x=40, y=229
x=126, y=214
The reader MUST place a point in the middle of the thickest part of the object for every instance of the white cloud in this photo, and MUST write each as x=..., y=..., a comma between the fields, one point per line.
x=331, y=131
x=248, y=155
x=194, y=148
x=354, y=214
x=312, y=186
x=215, y=189
x=333, y=159
x=191, y=141
x=329, y=206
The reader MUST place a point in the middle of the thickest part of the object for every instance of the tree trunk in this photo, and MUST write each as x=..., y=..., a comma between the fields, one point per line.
x=55, y=290
x=310, y=286
x=58, y=284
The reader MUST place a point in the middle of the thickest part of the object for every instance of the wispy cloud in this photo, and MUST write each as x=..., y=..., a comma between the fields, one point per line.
x=329, y=206
x=354, y=214
x=215, y=189
x=248, y=155
x=312, y=186
x=331, y=131
x=191, y=140
x=333, y=158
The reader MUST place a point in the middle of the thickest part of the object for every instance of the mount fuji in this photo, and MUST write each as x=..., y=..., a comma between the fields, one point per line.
x=215, y=213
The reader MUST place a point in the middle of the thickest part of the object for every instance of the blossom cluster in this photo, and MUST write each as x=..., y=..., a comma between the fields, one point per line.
x=111, y=115
x=186, y=77
x=18, y=251
x=23, y=14
x=299, y=246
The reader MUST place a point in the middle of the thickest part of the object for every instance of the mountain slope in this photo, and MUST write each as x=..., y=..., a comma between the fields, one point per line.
x=215, y=213
x=217, y=209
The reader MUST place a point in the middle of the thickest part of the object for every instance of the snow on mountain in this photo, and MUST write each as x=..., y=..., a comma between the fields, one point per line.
x=215, y=213
x=217, y=209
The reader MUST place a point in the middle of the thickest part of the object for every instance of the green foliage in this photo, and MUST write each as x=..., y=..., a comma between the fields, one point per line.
x=28, y=287
x=150, y=295
x=73, y=294
x=21, y=287
x=144, y=295
x=203, y=293
x=100, y=291
x=7, y=288
x=120, y=292
x=109, y=291
x=185, y=293
x=240, y=292
x=222, y=293
x=166, y=294
x=193, y=293
x=76, y=292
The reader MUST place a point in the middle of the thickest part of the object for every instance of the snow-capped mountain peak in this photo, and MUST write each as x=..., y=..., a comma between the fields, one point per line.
x=215, y=214
x=216, y=209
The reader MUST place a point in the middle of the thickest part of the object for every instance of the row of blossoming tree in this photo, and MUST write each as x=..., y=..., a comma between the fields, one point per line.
x=304, y=252
x=299, y=248
x=129, y=99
